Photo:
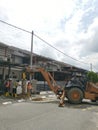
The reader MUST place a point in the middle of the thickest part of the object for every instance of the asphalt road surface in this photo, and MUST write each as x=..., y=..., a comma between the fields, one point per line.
x=48, y=116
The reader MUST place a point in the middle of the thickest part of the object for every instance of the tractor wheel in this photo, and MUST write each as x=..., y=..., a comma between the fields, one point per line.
x=75, y=95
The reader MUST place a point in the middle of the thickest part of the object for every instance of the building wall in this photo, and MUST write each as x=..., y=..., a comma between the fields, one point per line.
x=20, y=56
x=4, y=51
x=18, y=60
x=15, y=73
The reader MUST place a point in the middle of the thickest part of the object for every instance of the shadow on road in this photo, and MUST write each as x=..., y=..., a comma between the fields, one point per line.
x=83, y=105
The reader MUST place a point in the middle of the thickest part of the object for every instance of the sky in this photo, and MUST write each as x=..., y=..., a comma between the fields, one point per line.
x=71, y=26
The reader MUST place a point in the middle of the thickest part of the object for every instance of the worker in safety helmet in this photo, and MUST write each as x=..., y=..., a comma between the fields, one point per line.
x=61, y=96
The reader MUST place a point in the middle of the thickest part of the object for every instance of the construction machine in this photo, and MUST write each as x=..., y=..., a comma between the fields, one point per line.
x=47, y=76
x=75, y=90
x=79, y=88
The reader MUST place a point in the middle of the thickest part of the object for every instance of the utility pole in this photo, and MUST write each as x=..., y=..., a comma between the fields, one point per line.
x=90, y=66
x=31, y=54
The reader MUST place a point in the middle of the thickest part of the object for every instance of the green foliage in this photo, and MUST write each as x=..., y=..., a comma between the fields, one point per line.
x=92, y=76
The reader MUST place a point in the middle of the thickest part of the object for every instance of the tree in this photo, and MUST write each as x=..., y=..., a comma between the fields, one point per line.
x=92, y=76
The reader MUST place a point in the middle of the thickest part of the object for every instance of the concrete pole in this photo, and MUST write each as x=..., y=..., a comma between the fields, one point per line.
x=31, y=54
x=90, y=66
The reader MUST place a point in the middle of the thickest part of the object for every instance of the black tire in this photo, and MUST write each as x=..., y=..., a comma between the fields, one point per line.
x=75, y=95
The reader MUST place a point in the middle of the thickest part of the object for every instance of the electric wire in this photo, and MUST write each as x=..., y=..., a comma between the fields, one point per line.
x=58, y=49
x=42, y=40
x=15, y=26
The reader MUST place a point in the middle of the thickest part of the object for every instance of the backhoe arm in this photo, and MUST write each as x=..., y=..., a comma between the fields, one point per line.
x=47, y=76
x=50, y=80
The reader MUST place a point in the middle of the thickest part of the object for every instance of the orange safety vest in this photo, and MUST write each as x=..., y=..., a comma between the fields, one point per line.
x=7, y=84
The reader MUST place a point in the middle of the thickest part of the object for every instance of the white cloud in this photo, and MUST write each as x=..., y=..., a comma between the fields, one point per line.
x=63, y=23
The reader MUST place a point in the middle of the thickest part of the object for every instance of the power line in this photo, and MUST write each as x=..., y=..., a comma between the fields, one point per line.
x=58, y=49
x=15, y=27
x=42, y=40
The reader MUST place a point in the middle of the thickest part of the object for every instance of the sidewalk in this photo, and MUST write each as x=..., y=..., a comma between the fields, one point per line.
x=47, y=96
x=6, y=100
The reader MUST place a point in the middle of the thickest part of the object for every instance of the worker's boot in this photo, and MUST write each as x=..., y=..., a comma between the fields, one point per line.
x=61, y=105
x=15, y=95
x=7, y=94
x=28, y=95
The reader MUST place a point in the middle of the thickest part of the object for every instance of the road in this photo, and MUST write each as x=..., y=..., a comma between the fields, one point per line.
x=48, y=116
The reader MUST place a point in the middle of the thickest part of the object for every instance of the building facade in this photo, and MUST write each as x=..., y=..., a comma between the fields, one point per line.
x=13, y=60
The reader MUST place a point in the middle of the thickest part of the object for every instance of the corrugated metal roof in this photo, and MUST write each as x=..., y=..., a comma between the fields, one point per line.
x=3, y=45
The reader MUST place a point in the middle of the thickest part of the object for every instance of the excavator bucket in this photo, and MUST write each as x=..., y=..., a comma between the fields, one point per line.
x=91, y=91
x=91, y=87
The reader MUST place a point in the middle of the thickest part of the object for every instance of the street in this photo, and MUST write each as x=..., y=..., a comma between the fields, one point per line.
x=48, y=116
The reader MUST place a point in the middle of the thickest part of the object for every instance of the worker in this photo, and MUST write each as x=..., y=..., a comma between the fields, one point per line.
x=61, y=96
x=14, y=94
x=7, y=87
x=29, y=89
x=61, y=103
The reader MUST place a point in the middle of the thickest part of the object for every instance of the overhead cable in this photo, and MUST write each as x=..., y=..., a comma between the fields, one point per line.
x=15, y=26
x=58, y=49
x=42, y=40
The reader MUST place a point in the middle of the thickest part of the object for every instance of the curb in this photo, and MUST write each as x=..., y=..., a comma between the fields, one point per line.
x=6, y=103
x=42, y=98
